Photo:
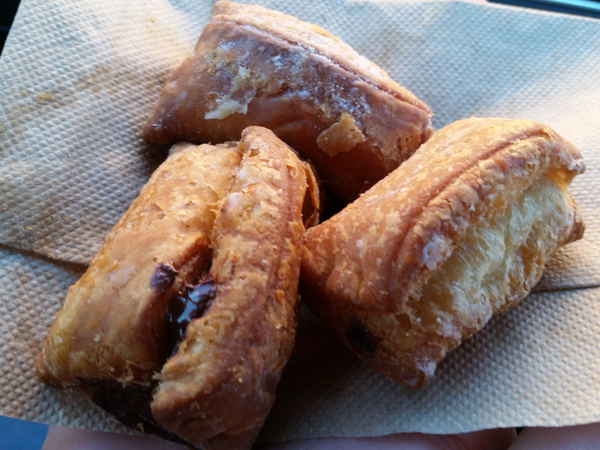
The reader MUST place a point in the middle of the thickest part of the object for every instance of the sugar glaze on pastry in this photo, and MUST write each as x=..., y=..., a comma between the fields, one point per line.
x=253, y=66
x=456, y=234
x=187, y=315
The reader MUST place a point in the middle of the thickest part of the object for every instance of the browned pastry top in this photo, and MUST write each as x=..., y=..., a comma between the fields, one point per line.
x=192, y=298
x=111, y=325
x=314, y=40
x=252, y=66
x=218, y=388
x=381, y=248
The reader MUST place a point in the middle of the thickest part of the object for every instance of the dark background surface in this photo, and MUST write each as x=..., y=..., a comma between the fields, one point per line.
x=587, y=8
x=20, y=435
x=8, y=9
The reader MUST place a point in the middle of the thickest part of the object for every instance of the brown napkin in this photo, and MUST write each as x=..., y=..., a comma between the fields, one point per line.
x=77, y=81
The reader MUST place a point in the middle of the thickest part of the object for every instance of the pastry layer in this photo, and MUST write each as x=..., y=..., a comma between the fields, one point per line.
x=185, y=319
x=218, y=388
x=456, y=234
x=112, y=326
x=252, y=66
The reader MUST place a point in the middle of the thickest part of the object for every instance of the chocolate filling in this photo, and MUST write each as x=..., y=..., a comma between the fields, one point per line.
x=163, y=277
x=361, y=339
x=187, y=306
x=130, y=405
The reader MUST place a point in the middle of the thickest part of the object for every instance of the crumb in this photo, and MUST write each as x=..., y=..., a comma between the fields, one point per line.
x=64, y=217
x=28, y=228
x=42, y=98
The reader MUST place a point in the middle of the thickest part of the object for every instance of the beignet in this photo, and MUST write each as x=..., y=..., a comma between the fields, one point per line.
x=253, y=66
x=186, y=317
x=456, y=234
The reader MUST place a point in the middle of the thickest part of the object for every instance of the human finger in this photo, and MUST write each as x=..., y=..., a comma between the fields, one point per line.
x=499, y=439
x=64, y=438
x=580, y=437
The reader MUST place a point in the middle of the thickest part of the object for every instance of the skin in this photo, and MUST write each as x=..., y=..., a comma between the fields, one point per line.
x=581, y=437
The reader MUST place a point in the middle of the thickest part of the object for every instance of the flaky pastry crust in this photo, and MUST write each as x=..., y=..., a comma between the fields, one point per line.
x=218, y=395
x=253, y=66
x=456, y=234
x=186, y=317
x=112, y=325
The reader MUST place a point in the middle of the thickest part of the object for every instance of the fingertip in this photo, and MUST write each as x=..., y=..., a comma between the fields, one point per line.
x=65, y=438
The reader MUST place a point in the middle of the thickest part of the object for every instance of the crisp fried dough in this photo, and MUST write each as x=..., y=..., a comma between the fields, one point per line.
x=217, y=390
x=252, y=66
x=186, y=317
x=112, y=325
x=456, y=234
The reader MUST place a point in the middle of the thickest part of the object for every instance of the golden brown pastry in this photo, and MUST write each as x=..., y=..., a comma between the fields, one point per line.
x=186, y=317
x=253, y=66
x=456, y=234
